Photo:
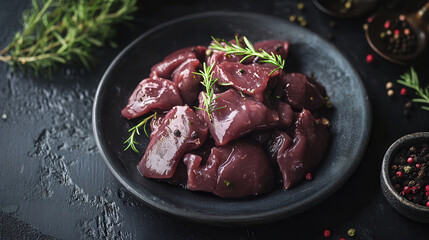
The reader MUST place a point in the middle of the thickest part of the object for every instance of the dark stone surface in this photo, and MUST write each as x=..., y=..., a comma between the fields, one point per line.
x=54, y=182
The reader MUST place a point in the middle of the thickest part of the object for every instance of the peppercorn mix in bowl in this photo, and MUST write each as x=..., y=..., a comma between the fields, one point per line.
x=405, y=176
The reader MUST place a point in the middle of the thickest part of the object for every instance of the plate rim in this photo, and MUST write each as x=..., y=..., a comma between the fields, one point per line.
x=242, y=219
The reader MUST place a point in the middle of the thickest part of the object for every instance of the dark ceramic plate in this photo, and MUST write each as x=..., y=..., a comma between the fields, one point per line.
x=350, y=117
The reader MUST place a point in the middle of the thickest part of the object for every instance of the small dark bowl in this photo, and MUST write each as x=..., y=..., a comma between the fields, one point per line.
x=402, y=205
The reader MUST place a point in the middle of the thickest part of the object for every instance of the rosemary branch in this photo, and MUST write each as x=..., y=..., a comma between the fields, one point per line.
x=248, y=51
x=411, y=80
x=131, y=142
x=208, y=96
x=62, y=31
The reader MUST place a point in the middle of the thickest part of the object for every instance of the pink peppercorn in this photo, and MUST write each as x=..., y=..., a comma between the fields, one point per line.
x=410, y=159
x=407, y=189
x=342, y=239
x=399, y=174
x=413, y=189
x=327, y=232
x=418, y=166
x=308, y=176
x=369, y=20
x=369, y=58
x=427, y=188
x=396, y=32
x=403, y=91
x=387, y=24
x=427, y=204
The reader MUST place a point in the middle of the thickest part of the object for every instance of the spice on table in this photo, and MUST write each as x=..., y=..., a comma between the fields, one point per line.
x=391, y=93
x=410, y=160
x=292, y=18
x=308, y=176
x=351, y=232
x=403, y=91
x=300, y=6
x=369, y=58
x=4, y=116
x=325, y=122
x=327, y=233
x=389, y=85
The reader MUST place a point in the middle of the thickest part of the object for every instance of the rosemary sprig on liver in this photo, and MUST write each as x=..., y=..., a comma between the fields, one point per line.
x=208, y=96
x=248, y=51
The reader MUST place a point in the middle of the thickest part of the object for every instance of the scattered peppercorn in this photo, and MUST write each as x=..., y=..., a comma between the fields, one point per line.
x=369, y=58
x=409, y=104
x=407, y=169
x=327, y=233
x=427, y=204
x=427, y=188
x=300, y=6
x=399, y=174
x=410, y=160
x=4, y=116
x=387, y=24
x=389, y=85
x=177, y=133
x=308, y=176
x=351, y=232
x=391, y=93
x=403, y=91
x=418, y=166
x=325, y=122
x=406, y=190
x=209, y=52
x=292, y=18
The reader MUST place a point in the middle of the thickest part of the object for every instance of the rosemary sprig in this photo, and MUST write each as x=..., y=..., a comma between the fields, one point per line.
x=62, y=31
x=411, y=80
x=248, y=51
x=208, y=82
x=131, y=142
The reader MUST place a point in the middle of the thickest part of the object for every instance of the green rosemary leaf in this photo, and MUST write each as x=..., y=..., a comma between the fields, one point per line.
x=131, y=142
x=248, y=51
x=62, y=31
x=411, y=80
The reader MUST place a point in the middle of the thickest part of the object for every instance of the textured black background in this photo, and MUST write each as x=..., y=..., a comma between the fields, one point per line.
x=53, y=183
